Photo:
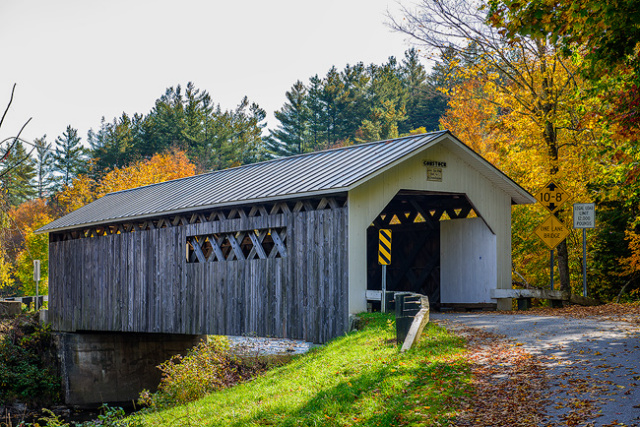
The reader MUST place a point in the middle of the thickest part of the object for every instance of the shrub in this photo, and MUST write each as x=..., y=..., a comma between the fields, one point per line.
x=28, y=369
x=207, y=367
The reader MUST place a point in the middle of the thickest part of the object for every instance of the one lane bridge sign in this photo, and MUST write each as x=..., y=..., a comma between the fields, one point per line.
x=552, y=196
x=552, y=232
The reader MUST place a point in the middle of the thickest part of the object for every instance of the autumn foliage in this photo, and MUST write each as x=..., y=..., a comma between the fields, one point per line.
x=22, y=245
x=160, y=168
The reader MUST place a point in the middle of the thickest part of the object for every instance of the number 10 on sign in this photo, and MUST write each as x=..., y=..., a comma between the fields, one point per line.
x=384, y=259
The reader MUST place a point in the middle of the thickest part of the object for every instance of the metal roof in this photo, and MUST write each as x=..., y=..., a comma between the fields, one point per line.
x=304, y=175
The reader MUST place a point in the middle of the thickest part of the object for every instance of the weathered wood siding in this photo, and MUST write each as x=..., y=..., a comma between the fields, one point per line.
x=141, y=281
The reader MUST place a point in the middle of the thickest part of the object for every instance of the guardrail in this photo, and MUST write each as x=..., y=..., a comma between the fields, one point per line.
x=29, y=300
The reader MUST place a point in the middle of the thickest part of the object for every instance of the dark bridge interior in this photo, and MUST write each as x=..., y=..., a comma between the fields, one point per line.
x=414, y=218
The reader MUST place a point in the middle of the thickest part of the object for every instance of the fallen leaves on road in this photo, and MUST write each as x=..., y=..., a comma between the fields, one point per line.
x=513, y=387
x=612, y=311
x=509, y=383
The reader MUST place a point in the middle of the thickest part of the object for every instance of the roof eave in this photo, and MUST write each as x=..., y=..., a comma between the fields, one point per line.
x=519, y=196
x=307, y=195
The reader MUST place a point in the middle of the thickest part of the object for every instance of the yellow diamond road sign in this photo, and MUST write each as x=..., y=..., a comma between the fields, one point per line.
x=551, y=196
x=552, y=232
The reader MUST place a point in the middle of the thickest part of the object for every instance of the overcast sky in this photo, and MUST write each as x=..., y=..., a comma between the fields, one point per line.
x=76, y=61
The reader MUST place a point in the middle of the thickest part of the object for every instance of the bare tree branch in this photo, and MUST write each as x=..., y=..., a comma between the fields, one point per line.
x=6, y=171
x=6, y=110
x=15, y=140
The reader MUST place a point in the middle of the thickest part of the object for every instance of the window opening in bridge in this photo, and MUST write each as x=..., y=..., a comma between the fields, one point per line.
x=241, y=245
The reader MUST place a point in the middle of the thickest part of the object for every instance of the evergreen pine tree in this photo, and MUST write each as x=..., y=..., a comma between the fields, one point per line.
x=69, y=159
x=317, y=114
x=43, y=165
x=354, y=102
x=116, y=144
x=425, y=104
x=17, y=172
x=247, y=128
x=331, y=92
x=293, y=131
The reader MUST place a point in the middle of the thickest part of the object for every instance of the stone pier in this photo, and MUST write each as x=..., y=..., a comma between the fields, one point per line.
x=114, y=368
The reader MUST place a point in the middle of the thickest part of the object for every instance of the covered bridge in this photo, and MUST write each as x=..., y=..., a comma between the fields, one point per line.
x=286, y=248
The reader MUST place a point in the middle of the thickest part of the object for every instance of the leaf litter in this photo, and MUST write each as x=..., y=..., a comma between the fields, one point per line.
x=516, y=387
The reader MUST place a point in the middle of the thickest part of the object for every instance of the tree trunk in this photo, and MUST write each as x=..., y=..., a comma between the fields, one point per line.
x=551, y=139
x=563, y=266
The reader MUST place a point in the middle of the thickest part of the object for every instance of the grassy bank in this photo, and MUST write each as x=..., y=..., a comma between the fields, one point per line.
x=360, y=379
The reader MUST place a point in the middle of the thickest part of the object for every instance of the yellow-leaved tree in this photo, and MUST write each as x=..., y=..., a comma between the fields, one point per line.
x=34, y=247
x=21, y=247
x=537, y=125
x=159, y=168
x=83, y=190
x=506, y=123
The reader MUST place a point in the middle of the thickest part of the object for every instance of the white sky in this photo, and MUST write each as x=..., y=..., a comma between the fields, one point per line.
x=75, y=61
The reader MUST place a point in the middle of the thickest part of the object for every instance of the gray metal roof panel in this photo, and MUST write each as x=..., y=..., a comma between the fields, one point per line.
x=322, y=172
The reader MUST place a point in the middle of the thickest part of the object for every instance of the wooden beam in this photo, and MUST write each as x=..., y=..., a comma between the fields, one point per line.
x=237, y=250
x=257, y=245
x=530, y=293
x=422, y=212
x=279, y=244
x=179, y=220
x=216, y=247
x=197, y=248
x=307, y=206
x=321, y=205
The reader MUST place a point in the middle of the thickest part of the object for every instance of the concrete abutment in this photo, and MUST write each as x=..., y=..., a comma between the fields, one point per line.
x=112, y=368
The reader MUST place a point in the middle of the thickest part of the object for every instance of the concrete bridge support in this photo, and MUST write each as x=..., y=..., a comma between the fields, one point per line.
x=114, y=367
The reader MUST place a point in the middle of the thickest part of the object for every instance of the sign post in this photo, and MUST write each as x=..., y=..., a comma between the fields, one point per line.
x=384, y=259
x=584, y=216
x=552, y=231
x=36, y=278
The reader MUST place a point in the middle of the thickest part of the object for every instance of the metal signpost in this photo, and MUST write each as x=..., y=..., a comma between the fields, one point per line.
x=384, y=259
x=584, y=216
x=36, y=278
x=552, y=231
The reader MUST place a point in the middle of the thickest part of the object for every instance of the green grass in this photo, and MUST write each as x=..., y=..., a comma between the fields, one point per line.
x=360, y=379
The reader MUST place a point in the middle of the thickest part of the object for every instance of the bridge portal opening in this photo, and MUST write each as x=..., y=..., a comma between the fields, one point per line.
x=439, y=245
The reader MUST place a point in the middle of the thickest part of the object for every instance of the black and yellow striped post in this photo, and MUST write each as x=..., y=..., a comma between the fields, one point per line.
x=384, y=259
x=384, y=248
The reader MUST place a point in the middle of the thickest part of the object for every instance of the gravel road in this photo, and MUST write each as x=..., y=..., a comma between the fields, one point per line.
x=590, y=361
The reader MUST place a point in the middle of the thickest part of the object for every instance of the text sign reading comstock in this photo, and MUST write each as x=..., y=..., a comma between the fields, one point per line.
x=552, y=232
x=384, y=247
x=584, y=215
x=551, y=196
